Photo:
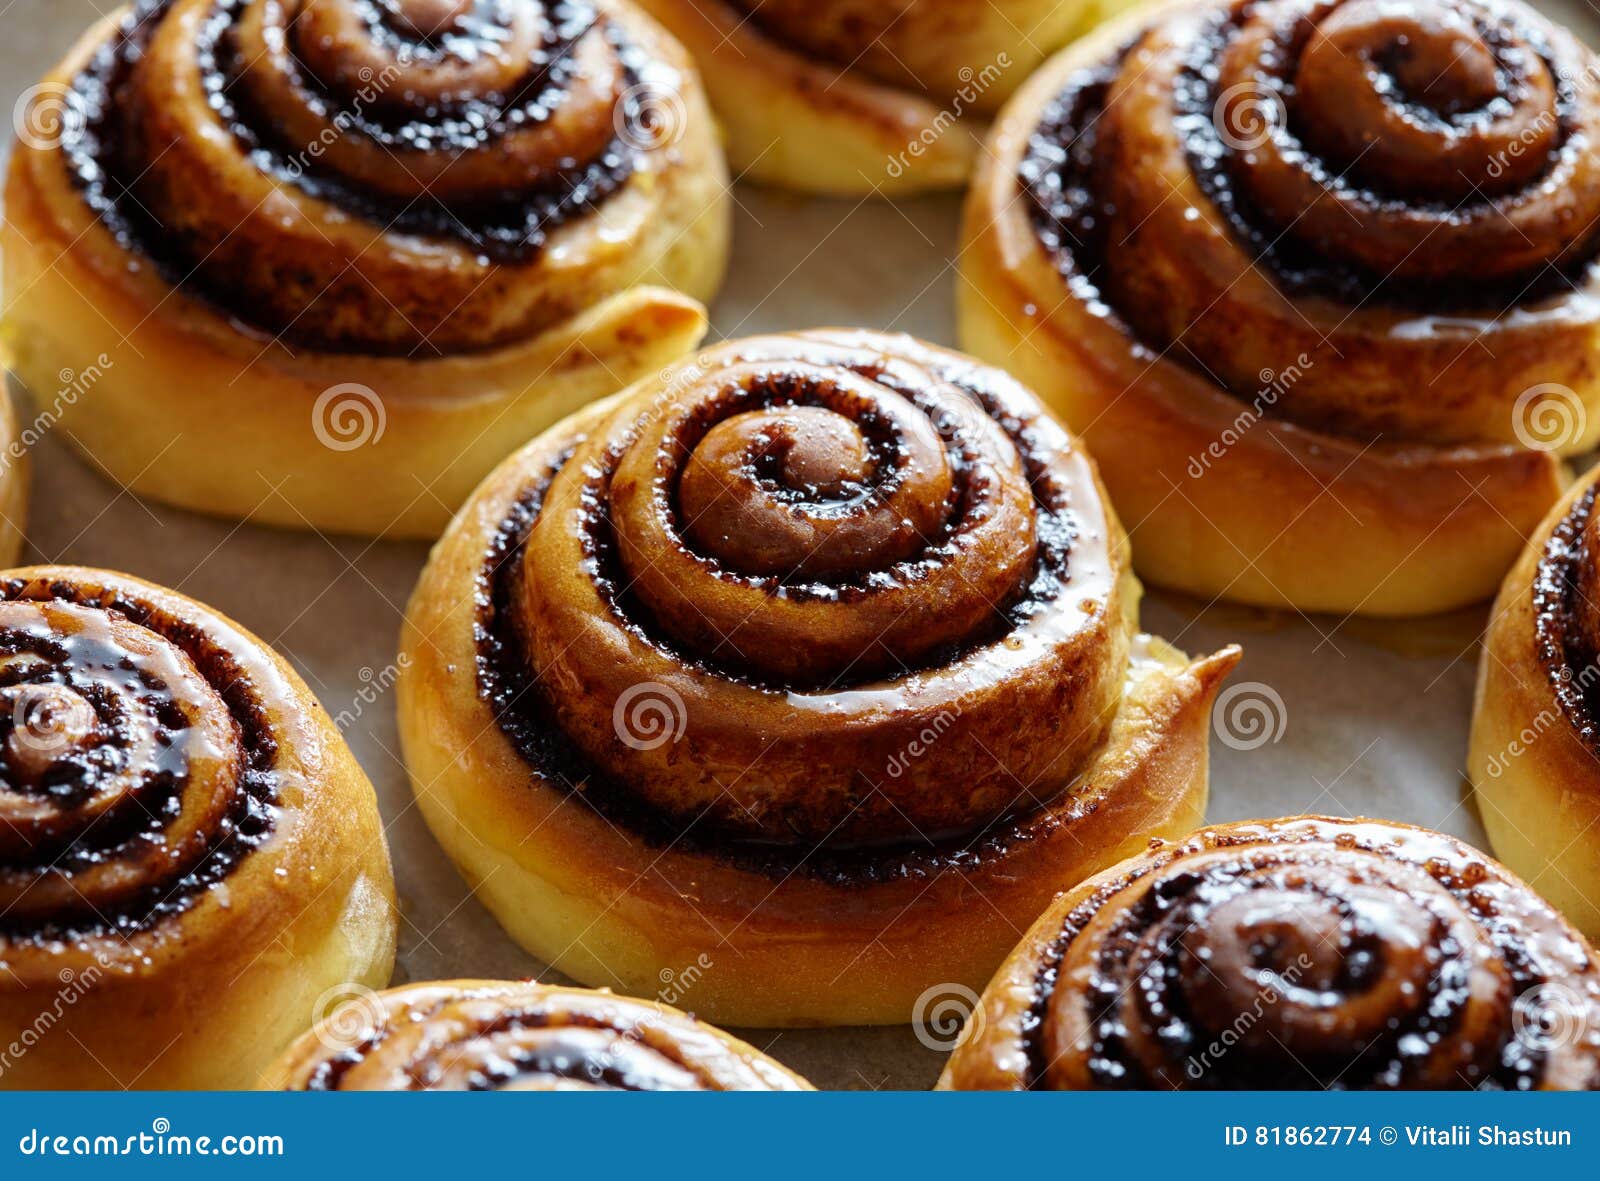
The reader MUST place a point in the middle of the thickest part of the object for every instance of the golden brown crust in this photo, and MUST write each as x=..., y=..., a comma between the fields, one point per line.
x=457, y=328
x=723, y=815
x=1533, y=762
x=220, y=865
x=491, y=1034
x=1279, y=427
x=15, y=449
x=865, y=96
x=1301, y=952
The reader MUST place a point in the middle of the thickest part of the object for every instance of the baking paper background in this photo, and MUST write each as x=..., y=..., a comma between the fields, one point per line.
x=1335, y=715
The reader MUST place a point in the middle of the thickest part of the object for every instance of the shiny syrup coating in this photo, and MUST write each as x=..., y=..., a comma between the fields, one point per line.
x=486, y=1036
x=1356, y=151
x=1315, y=953
x=927, y=469
x=1566, y=627
x=488, y=126
x=135, y=763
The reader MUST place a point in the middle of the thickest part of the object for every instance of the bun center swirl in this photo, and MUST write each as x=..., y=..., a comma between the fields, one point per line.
x=749, y=510
x=467, y=1036
x=1282, y=194
x=1418, y=98
x=463, y=102
x=105, y=725
x=1298, y=962
x=1428, y=140
x=360, y=174
x=135, y=764
x=802, y=556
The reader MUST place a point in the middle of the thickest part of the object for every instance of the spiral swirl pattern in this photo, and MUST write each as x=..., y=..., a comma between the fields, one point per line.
x=479, y=1035
x=1311, y=952
x=1432, y=141
x=284, y=157
x=134, y=767
x=1391, y=160
x=850, y=571
x=1566, y=616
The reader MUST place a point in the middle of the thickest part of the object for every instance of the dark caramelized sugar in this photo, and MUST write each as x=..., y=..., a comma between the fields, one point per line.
x=248, y=823
x=1566, y=654
x=1058, y=177
x=1175, y=904
x=529, y=717
x=576, y=1050
x=512, y=229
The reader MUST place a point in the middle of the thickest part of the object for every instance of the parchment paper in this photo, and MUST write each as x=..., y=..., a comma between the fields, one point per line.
x=1373, y=719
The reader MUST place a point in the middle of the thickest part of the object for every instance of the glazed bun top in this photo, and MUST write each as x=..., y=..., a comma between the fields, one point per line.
x=1304, y=952
x=1350, y=182
x=376, y=175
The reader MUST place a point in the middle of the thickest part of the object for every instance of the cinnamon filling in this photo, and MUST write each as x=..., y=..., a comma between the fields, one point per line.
x=472, y=1043
x=1566, y=599
x=1437, y=158
x=136, y=767
x=899, y=489
x=1299, y=960
x=487, y=125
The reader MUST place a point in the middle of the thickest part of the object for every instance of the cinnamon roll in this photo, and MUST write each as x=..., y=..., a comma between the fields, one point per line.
x=345, y=255
x=189, y=855
x=1285, y=954
x=814, y=656
x=865, y=96
x=1316, y=279
x=1534, y=760
x=480, y=1035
